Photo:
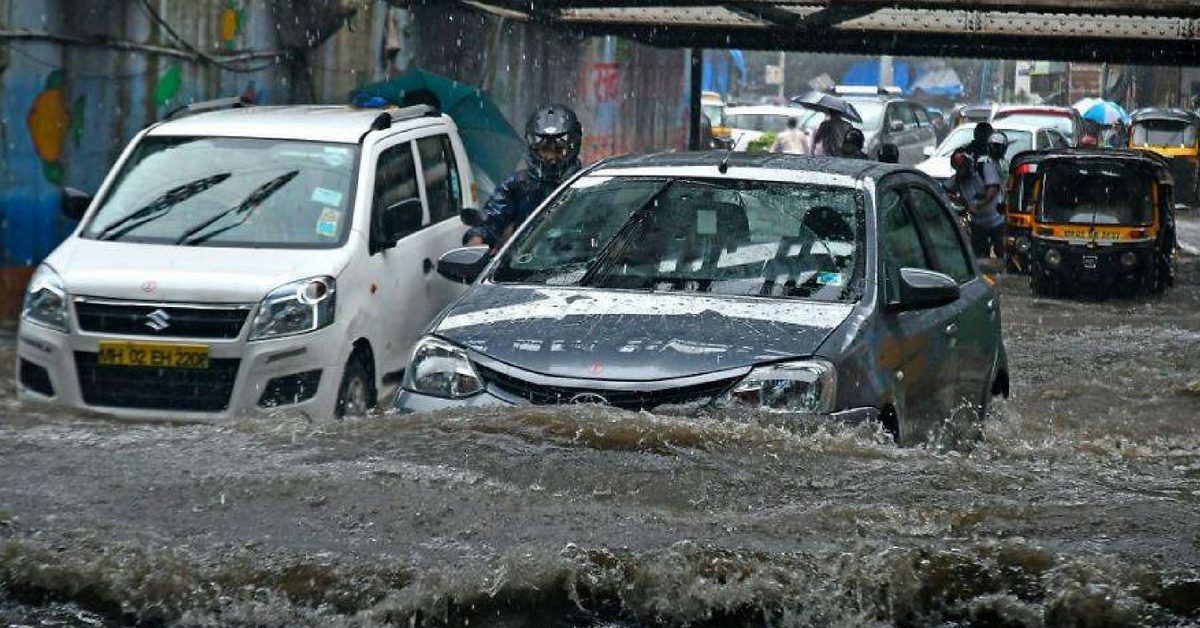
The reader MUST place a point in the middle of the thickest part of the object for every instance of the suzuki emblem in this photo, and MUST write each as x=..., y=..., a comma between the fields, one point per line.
x=158, y=320
x=150, y=286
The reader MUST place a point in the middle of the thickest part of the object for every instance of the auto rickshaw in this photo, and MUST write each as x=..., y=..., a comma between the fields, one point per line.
x=713, y=107
x=1022, y=186
x=1174, y=134
x=1102, y=221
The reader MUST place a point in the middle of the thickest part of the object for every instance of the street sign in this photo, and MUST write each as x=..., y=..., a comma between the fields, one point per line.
x=773, y=75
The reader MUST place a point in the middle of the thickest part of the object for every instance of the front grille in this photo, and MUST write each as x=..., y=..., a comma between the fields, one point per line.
x=148, y=388
x=543, y=395
x=36, y=378
x=161, y=320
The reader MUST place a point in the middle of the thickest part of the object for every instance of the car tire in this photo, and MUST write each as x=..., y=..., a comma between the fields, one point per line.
x=356, y=393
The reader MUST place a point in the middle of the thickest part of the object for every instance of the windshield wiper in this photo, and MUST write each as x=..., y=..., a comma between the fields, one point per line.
x=619, y=242
x=160, y=206
x=260, y=194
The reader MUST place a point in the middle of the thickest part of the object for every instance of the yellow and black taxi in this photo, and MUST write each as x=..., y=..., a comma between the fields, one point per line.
x=1102, y=221
x=1174, y=134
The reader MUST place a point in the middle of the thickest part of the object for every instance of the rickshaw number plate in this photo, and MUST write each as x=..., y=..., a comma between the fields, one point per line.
x=1090, y=261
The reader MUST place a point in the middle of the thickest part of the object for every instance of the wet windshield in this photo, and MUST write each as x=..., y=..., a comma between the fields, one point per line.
x=871, y=112
x=770, y=123
x=1096, y=193
x=736, y=238
x=1170, y=133
x=218, y=191
x=1062, y=124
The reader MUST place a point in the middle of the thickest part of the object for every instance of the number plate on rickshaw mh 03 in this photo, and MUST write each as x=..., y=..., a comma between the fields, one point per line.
x=157, y=355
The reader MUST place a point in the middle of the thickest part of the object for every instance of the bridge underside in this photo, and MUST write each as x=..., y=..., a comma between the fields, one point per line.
x=1158, y=32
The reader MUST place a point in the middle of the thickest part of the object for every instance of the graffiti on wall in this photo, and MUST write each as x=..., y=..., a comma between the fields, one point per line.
x=51, y=123
x=168, y=85
x=602, y=86
x=231, y=20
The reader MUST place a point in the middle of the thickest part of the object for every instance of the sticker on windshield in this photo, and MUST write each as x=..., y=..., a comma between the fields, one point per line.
x=327, y=225
x=706, y=222
x=830, y=279
x=326, y=196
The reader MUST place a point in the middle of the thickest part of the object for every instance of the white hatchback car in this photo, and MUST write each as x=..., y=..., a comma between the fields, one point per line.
x=238, y=260
x=1021, y=137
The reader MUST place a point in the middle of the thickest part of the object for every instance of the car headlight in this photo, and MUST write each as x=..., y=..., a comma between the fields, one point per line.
x=46, y=300
x=295, y=308
x=441, y=369
x=807, y=386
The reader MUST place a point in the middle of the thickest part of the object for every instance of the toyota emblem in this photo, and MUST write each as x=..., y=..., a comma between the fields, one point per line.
x=589, y=397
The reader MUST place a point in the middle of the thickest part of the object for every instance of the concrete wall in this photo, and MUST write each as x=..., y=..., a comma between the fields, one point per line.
x=67, y=110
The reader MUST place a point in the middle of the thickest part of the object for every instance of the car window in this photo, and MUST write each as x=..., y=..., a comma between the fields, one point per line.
x=442, y=183
x=1043, y=140
x=900, y=241
x=737, y=237
x=922, y=116
x=395, y=182
x=950, y=257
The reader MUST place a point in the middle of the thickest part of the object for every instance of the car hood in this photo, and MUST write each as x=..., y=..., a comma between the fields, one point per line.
x=153, y=272
x=937, y=167
x=633, y=336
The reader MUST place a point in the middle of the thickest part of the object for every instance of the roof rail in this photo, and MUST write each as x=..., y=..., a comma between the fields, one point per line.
x=386, y=118
x=232, y=102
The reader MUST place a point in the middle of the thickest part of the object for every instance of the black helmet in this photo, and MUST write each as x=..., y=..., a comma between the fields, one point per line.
x=556, y=129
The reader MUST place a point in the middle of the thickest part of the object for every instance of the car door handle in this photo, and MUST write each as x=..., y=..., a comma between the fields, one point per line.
x=427, y=265
x=951, y=329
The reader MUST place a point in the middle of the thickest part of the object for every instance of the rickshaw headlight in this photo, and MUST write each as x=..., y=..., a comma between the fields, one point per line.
x=1023, y=244
x=1128, y=259
x=1053, y=257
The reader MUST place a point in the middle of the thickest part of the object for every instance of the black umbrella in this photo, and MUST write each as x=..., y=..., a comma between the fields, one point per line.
x=827, y=104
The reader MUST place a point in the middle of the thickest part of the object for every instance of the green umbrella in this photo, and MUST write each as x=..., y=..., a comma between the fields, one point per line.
x=491, y=143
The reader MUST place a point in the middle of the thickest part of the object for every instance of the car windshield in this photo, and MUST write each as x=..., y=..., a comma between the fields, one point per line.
x=766, y=122
x=1174, y=133
x=1060, y=123
x=224, y=191
x=715, y=114
x=718, y=237
x=871, y=112
x=1113, y=193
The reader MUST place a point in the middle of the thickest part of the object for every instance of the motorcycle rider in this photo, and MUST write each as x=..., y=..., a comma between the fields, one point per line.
x=554, y=136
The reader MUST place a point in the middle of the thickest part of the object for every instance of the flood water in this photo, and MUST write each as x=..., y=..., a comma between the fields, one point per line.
x=1081, y=507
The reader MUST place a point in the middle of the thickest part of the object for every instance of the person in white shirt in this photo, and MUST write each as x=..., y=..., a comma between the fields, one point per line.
x=793, y=141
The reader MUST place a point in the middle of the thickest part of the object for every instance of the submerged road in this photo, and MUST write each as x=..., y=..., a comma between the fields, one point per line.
x=1079, y=508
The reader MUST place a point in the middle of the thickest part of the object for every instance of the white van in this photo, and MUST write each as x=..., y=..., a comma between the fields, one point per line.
x=239, y=260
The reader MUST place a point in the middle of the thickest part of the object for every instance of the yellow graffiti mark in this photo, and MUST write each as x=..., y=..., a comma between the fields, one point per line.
x=48, y=121
x=229, y=24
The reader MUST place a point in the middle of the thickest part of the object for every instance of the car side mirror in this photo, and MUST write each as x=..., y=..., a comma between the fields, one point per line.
x=75, y=203
x=398, y=220
x=896, y=126
x=928, y=151
x=921, y=289
x=470, y=216
x=889, y=154
x=465, y=264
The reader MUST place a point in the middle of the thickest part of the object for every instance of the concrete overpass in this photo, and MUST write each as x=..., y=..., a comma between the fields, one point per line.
x=1159, y=32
